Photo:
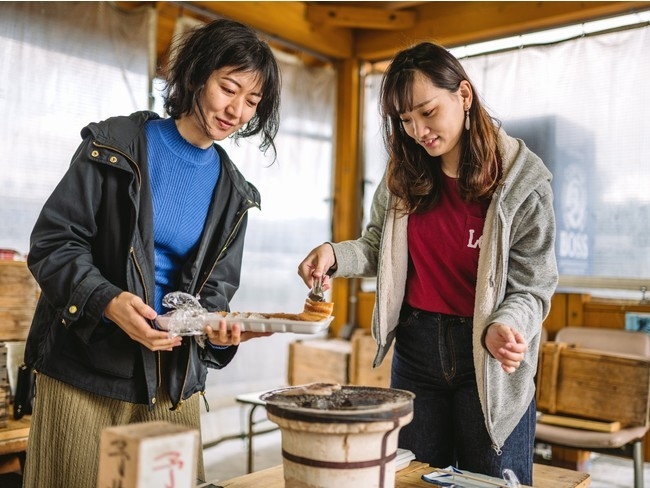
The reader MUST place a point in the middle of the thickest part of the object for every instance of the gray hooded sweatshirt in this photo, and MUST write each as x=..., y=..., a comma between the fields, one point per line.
x=517, y=276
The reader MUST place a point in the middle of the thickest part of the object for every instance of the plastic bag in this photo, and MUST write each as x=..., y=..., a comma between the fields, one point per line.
x=187, y=317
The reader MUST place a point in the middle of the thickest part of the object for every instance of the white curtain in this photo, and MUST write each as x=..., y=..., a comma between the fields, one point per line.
x=62, y=65
x=582, y=105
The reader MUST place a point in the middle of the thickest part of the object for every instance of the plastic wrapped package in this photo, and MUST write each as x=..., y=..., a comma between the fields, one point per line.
x=187, y=317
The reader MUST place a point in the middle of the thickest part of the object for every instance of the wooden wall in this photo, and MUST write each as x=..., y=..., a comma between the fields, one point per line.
x=583, y=310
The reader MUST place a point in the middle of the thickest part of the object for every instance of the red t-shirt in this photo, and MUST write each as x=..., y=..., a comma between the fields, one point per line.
x=444, y=245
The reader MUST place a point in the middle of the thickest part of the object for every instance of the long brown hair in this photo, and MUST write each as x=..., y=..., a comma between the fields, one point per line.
x=412, y=174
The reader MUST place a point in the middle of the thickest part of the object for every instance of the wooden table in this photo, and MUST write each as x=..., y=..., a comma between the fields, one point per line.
x=13, y=444
x=410, y=477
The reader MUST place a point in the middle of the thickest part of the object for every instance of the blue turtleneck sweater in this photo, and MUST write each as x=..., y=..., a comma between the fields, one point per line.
x=183, y=179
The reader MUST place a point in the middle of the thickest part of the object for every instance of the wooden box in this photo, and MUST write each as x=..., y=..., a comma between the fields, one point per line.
x=4, y=406
x=364, y=350
x=18, y=296
x=148, y=454
x=338, y=361
x=592, y=384
x=319, y=361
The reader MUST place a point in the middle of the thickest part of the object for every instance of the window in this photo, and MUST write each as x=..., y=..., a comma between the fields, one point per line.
x=63, y=65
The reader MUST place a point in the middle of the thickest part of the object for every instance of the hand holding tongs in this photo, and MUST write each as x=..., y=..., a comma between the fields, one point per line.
x=316, y=294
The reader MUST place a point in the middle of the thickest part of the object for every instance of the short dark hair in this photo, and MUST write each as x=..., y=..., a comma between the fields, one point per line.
x=225, y=43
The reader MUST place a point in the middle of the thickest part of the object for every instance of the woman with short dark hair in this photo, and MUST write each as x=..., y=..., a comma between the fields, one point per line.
x=148, y=206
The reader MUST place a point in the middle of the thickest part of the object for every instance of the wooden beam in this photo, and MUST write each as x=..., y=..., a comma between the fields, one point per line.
x=285, y=21
x=347, y=187
x=456, y=23
x=399, y=4
x=347, y=184
x=359, y=17
x=167, y=13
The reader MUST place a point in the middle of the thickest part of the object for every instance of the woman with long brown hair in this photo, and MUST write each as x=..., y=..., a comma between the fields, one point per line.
x=461, y=239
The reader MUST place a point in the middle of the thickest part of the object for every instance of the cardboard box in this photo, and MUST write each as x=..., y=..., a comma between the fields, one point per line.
x=593, y=385
x=338, y=361
x=148, y=454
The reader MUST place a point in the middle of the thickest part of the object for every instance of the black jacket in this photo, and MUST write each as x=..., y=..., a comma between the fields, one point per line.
x=94, y=239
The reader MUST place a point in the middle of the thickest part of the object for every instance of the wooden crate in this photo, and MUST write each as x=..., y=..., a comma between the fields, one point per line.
x=4, y=372
x=319, y=361
x=365, y=306
x=338, y=361
x=18, y=296
x=5, y=397
x=593, y=385
x=364, y=349
x=147, y=454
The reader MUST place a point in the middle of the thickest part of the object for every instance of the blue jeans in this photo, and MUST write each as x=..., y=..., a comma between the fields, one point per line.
x=433, y=359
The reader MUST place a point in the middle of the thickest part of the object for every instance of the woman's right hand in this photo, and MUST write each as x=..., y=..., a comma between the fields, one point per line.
x=316, y=265
x=130, y=313
x=506, y=345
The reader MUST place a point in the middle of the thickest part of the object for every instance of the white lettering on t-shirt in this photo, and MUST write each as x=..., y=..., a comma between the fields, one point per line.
x=476, y=243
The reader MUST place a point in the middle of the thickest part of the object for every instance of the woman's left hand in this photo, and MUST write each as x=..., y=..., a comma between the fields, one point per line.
x=506, y=345
x=233, y=337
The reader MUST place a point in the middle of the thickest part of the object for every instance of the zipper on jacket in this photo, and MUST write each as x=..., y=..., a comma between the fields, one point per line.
x=205, y=400
x=225, y=246
x=138, y=175
x=179, y=405
x=136, y=169
x=137, y=266
x=198, y=290
x=495, y=447
x=144, y=285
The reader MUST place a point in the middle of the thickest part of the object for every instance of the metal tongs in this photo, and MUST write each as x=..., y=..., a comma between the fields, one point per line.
x=316, y=294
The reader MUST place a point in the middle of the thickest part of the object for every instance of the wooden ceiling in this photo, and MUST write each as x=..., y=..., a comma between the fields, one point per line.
x=374, y=31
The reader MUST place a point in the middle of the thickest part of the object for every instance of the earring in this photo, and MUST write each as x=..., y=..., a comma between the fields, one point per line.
x=467, y=119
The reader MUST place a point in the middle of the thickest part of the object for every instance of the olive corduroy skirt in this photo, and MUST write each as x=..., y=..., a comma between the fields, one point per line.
x=66, y=426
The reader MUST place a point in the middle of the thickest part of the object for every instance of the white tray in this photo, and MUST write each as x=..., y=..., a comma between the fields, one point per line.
x=256, y=324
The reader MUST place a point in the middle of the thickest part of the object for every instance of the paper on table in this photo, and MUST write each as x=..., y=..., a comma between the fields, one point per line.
x=456, y=478
x=403, y=458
